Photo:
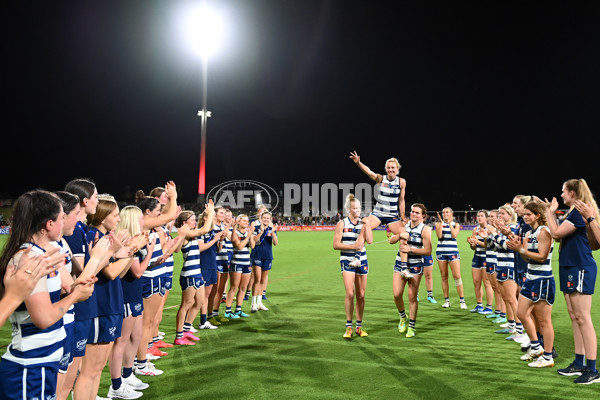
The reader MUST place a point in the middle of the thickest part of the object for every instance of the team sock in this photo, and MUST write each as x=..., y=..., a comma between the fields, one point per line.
x=430, y=293
x=462, y=299
x=358, y=324
x=116, y=383
x=402, y=314
x=187, y=327
x=228, y=309
x=579, y=360
x=179, y=335
x=519, y=328
x=547, y=356
x=238, y=308
x=591, y=365
x=349, y=324
x=411, y=323
x=202, y=319
x=127, y=372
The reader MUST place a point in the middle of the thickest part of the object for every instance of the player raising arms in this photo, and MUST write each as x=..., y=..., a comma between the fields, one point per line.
x=390, y=199
x=349, y=238
x=389, y=208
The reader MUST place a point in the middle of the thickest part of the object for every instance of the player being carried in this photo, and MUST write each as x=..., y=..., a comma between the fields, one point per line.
x=389, y=207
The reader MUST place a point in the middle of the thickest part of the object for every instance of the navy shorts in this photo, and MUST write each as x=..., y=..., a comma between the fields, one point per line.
x=578, y=279
x=223, y=268
x=504, y=273
x=539, y=289
x=244, y=269
x=362, y=270
x=81, y=334
x=106, y=328
x=152, y=286
x=427, y=261
x=386, y=220
x=490, y=268
x=167, y=282
x=209, y=276
x=478, y=262
x=263, y=264
x=448, y=257
x=20, y=383
x=415, y=269
x=68, y=348
x=191, y=282
x=133, y=309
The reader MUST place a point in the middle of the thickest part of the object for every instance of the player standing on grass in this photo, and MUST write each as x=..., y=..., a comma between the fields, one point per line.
x=417, y=247
x=538, y=288
x=349, y=238
x=265, y=237
x=447, y=254
x=577, y=272
x=241, y=267
x=478, y=265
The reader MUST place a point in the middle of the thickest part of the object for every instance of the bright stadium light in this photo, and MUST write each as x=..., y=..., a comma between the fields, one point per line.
x=203, y=28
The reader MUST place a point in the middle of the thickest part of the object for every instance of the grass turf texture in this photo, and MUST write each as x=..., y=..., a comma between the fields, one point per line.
x=296, y=351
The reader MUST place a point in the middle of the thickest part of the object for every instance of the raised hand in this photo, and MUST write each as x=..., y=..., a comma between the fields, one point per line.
x=354, y=157
x=20, y=280
x=102, y=247
x=440, y=217
x=171, y=190
x=586, y=210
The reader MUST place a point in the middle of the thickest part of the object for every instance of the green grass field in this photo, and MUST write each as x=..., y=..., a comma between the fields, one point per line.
x=296, y=350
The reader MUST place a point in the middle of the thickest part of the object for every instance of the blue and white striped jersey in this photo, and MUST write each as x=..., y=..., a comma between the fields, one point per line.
x=447, y=245
x=537, y=270
x=350, y=233
x=506, y=257
x=242, y=256
x=387, y=198
x=415, y=240
x=191, y=258
x=30, y=345
x=69, y=316
x=226, y=247
x=156, y=270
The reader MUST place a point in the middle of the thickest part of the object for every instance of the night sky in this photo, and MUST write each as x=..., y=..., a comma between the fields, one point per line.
x=478, y=100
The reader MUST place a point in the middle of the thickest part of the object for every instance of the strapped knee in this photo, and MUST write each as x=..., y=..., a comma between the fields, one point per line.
x=458, y=282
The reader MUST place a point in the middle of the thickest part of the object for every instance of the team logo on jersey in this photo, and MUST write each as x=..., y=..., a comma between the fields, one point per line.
x=64, y=360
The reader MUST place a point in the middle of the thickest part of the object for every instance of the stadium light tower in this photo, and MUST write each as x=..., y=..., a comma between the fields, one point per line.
x=204, y=27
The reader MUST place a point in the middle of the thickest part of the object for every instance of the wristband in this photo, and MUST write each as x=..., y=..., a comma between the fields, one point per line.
x=522, y=250
x=590, y=219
